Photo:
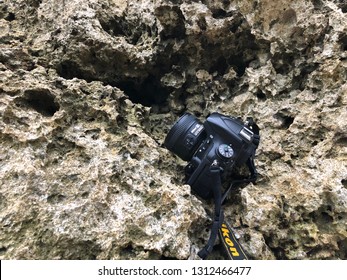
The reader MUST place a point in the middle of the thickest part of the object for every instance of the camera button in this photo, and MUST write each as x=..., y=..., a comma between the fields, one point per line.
x=189, y=141
x=225, y=151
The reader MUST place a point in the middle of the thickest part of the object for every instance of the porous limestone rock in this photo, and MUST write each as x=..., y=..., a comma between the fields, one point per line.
x=90, y=88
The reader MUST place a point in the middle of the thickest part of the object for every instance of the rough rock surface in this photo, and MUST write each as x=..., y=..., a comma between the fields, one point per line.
x=90, y=88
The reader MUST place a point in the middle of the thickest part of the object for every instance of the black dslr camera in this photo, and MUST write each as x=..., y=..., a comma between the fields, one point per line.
x=221, y=140
x=218, y=144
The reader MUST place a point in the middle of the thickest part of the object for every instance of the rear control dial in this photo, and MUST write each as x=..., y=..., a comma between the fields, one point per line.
x=225, y=151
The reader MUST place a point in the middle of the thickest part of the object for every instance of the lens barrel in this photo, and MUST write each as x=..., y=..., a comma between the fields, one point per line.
x=185, y=136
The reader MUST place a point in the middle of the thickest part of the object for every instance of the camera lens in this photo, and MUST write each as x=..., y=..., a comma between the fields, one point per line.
x=185, y=136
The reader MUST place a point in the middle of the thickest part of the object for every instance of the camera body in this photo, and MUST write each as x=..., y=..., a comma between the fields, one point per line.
x=220, y=139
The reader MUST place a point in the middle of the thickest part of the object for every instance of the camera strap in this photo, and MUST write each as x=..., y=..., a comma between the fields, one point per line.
x=215, y=172
x=231, y=245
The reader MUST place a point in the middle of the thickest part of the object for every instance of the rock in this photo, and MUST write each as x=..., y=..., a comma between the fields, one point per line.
x=89, y=90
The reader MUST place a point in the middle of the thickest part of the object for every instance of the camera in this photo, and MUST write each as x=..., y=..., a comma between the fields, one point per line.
x=220, y=140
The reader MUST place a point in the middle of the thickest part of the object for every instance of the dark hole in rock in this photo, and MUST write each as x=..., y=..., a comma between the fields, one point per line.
x=342, y=5
x=344, y=183
x=318, y=4
x=283, y=62
x=260, y=95
x=147, y=93
x=277, y=251
x=55, y=198
x=41, y=101
x=343, y=248
x=202, y=23
x=300, y=80
x=343, y=42
x=69, y=70
x=176, y=1
x=239, y=64
x=323, y=217
x=128, y=249
x=172, y=21
x=314, y=251
x=10, y=17
x=85, y=195
x=37, y=3
x=326, y=218
x=220, y=13
x=3, y=250
x=114, y=27
x=236, y=24
x=220, y=66
x=342, y=141
x=286, y=120
x=130, y=30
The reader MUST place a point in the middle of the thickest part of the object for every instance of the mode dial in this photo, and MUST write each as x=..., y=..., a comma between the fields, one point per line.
x=225, y=151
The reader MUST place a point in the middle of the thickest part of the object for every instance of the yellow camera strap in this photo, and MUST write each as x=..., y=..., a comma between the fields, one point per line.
x=232, y=247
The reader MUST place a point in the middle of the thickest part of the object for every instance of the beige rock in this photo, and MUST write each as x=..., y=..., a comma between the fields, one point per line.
x=89, y=90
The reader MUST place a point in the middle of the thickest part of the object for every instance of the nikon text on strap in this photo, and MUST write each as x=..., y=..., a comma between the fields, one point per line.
x=230, y=243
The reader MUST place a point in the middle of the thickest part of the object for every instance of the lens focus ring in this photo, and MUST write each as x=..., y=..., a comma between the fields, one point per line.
x=178, y=129
x=180, y=140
